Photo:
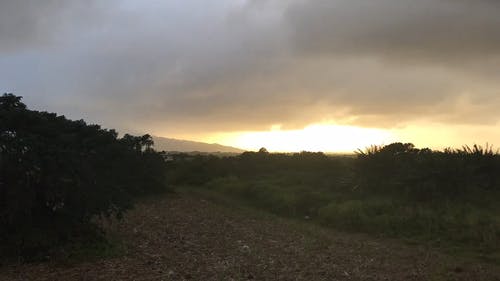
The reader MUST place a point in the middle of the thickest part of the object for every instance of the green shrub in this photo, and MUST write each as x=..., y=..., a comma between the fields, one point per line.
x=444, y=197
x=56, y=174
x=425, y=175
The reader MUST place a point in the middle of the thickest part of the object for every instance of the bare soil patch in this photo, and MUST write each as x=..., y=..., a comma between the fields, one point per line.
x=188, y=238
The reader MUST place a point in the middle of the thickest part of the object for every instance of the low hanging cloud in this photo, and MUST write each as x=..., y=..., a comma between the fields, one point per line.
x=174, y=67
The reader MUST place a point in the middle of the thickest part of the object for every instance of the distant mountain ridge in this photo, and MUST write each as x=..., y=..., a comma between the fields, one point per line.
x=168, y=144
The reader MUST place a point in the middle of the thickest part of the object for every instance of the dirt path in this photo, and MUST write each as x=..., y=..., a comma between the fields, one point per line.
x=187, y=238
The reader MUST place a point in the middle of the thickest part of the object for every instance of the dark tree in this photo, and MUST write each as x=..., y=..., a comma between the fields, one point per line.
x=57, y=174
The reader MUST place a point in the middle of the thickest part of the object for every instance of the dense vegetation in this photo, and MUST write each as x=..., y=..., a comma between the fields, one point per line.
x=56, y=175
x=448, y=198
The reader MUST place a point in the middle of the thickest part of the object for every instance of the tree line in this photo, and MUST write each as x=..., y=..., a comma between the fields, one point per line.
x=397, y=168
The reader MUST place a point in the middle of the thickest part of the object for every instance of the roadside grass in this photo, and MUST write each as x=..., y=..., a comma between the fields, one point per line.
x=108, y=243
x=104, y=244
x=452, y=258
x=456, y=228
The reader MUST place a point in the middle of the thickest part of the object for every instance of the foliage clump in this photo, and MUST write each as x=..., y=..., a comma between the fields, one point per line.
x=426, y=175
x=447, y=198
x=57, y=174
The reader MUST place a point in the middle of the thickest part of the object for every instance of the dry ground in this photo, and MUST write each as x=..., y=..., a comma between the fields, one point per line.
x=187, y=238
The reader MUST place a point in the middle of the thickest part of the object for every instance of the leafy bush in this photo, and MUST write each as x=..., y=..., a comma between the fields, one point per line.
x=446, y=197
x=56, y=174
x=425, y=175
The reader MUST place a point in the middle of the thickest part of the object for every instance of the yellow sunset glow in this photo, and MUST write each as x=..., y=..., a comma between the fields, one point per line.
x=317, y=137
x=346, y=139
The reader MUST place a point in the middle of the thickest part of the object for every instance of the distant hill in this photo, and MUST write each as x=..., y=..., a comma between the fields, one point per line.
x=168, y=144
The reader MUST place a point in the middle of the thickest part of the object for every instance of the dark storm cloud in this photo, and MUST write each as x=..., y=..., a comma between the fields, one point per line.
x=193, y=66
x=30, y=24
x=403, y=29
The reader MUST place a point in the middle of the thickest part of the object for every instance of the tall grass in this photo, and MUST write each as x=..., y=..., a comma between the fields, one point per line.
x=448, y=198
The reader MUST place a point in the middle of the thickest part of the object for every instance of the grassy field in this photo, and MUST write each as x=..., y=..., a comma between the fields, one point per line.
x=330, y=191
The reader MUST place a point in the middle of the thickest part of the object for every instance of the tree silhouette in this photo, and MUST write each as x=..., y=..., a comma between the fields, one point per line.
x=56, y=174
x=9, y=101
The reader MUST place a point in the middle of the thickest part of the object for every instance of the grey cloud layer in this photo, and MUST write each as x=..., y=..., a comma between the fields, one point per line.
x=404, y=29
x=32, y=24
x=180, y=66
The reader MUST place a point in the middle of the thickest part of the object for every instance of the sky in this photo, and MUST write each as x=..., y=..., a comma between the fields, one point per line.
x=329, y=75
